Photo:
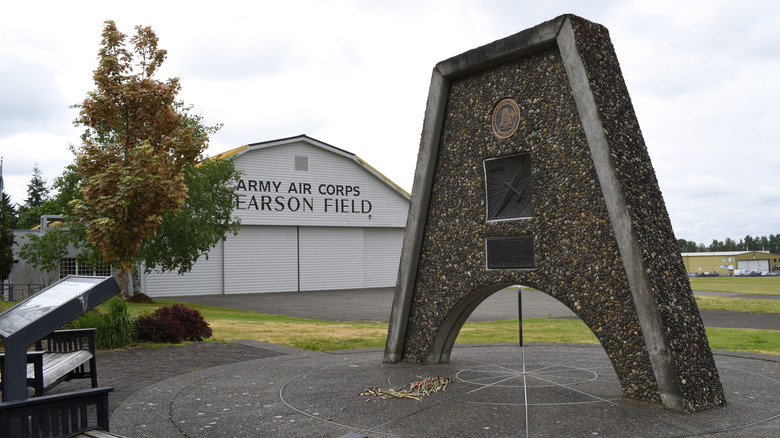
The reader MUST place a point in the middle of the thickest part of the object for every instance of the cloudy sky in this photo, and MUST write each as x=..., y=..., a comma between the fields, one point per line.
x=703, y=77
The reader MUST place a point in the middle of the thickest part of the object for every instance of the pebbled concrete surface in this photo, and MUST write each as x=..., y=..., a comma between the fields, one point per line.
x=571, y=390
x=252, y=389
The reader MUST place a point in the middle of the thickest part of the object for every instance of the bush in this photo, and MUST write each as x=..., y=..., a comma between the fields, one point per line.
x=195, y=327
x=157, y=327
x=115, y=327
x=173, y=324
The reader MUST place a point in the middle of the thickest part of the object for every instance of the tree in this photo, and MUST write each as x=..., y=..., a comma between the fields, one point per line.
x=31, y=217
x=35, y=204
x=204, y=219
x=67, y=185
x=687, y=245
x=37, y=192
x=135, y=149
x=774, y=243
x=7, y=219
x=182, y=237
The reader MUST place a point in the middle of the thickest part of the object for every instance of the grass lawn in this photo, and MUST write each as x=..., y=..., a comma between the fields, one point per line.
x=316, y=335
x=738, y=304
x=740, y=285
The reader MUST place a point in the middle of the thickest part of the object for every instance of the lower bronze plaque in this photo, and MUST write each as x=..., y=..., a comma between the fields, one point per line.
x=510, y=252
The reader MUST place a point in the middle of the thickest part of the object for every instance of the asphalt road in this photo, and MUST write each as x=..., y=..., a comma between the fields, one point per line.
x=375, y=305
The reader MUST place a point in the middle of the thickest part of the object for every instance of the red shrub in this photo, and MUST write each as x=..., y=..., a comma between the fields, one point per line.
x=173, y=324
x=195, y=327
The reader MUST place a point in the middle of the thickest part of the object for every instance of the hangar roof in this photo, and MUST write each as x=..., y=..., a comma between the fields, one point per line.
x=349, y=155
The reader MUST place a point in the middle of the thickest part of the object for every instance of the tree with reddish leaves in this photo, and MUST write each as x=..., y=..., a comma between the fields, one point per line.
x=135, y=149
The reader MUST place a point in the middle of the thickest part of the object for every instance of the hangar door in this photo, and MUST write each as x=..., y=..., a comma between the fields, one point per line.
x=261, y=259
x=753, y=265
x=287, y=259
x=331, y=258
x=205, y=278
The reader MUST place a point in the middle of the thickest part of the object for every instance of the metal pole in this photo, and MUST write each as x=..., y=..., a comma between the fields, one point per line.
x=522, y=350
x=520, y=313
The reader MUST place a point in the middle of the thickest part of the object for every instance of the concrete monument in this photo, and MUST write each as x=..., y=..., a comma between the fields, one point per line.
x=532, y=170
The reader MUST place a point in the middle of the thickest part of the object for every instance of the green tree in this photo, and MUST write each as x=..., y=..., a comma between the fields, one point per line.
x=687, y=245
x=31, y=217
x=762, y=242
x=774, y=244
x=36, y=203
x=7, y=219
x=135, y=149
x=183, y=236
x=204, y=219
x=37, y=191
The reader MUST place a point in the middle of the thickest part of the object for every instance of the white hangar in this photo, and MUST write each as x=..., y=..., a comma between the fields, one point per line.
x=313, y=217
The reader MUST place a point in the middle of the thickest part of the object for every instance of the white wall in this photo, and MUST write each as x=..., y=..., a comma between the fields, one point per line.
x=350, y=237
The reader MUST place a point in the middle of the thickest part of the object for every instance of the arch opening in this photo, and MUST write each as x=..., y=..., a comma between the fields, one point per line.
x=458, y=316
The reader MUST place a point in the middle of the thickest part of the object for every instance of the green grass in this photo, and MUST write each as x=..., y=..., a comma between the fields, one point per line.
x=316, y=335
x=740, y=285
x=736, y=304
x=745, y=340
x=534, y=330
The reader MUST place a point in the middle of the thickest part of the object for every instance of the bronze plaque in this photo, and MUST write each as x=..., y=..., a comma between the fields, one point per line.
x=506, y=118
x=508, y=184
x=510, y=252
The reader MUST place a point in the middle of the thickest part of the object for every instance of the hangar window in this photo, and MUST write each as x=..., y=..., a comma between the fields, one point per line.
x=301, y=163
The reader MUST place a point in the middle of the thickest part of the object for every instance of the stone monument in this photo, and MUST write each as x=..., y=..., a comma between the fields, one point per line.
x=532, y=170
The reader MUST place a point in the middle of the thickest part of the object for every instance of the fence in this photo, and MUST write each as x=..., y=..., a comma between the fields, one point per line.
x=19, y=291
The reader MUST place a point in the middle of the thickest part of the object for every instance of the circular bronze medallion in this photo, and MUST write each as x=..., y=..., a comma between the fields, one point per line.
x=506, y=118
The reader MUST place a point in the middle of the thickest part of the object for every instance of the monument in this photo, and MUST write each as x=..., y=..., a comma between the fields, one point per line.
x=532, y=170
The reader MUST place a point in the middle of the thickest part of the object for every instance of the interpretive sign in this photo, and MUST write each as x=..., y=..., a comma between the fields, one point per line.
x=533, y=171
x=42, y=313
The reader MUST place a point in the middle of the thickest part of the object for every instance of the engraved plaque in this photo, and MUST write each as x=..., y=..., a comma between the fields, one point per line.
x=508, y=184
x=510, y=252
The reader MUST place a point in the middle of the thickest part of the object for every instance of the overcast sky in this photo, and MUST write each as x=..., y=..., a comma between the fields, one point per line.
x=704, y=77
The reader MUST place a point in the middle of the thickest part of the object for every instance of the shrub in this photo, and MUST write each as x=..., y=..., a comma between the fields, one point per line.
x=157, y=327
x=115, y=327
x=195, y=327
x=173, y=324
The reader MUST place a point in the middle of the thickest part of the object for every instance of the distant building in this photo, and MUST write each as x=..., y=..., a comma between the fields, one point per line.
x=26, y=280
x=313, y=217
x=729, y=263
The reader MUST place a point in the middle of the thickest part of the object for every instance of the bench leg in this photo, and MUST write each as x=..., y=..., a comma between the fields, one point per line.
x=38, y=376
x=93, y=371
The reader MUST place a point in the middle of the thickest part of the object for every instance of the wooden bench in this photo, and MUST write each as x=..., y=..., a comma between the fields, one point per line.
x=61, y=356
x=81, y=414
